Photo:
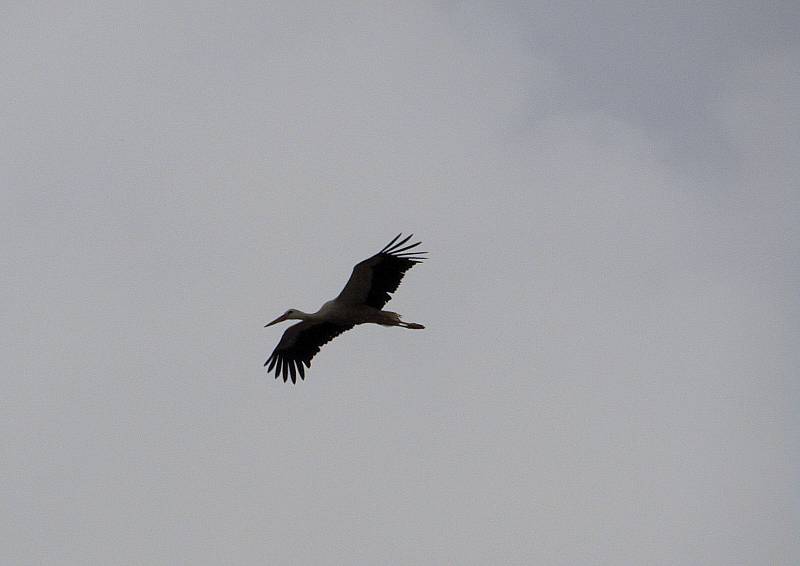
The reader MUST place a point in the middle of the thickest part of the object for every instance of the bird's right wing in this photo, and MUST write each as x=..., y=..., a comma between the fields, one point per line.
x=299, y=343
x=376, y=278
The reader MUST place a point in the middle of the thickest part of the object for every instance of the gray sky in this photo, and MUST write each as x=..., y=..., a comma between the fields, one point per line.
x=611, y=199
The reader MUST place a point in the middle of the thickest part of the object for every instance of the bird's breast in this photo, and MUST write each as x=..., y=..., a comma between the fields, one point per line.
x=334, y=311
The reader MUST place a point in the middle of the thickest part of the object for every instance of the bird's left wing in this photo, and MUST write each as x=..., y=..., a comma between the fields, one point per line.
x=299, y=343
x=373, y=280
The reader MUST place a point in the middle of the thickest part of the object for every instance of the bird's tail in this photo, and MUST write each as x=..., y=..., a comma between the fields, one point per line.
x=393, y=319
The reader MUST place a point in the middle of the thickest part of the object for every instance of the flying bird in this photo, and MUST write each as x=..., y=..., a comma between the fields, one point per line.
x=361, y=301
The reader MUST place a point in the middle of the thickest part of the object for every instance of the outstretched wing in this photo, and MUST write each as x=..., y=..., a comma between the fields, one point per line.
x=376, y=278
x=299, y=343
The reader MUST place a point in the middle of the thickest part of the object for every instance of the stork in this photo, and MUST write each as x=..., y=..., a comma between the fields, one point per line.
x=361, y=302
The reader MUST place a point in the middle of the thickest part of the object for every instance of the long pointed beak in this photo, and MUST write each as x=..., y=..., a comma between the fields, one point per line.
x=277, y=320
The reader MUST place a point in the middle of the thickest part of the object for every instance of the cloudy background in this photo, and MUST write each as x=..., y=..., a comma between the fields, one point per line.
x=610, y=194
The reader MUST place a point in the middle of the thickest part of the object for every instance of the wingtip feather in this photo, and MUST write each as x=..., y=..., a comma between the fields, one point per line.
x=387, y=246
x=398, y=245
x=399, y=250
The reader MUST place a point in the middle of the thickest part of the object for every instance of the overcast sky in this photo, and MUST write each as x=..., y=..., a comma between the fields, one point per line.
x=610, y=193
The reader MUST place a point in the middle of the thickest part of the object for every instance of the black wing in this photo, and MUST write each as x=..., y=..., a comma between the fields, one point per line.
x=299, y=343
x=374, y=279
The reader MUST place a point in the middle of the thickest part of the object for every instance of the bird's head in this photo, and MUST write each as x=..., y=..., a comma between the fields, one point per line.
x=291, y=314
